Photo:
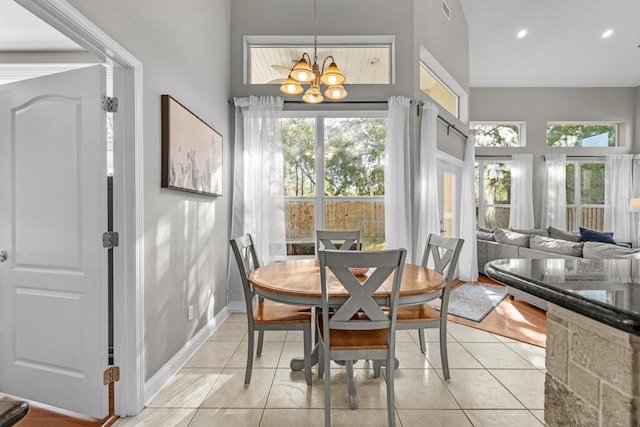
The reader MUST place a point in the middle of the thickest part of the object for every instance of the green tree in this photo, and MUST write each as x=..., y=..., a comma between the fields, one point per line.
x=572, y=135
x=298, y=141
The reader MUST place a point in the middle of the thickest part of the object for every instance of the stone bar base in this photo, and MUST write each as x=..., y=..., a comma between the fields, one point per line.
x=593, y=373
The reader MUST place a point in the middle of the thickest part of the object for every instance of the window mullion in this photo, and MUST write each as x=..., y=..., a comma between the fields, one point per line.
x=577, y=170
x=320, y=172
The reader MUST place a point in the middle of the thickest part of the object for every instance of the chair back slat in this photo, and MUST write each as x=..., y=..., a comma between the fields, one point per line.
x=444, y=251
x=338, y=240
x=361, y=301
x=246, y=257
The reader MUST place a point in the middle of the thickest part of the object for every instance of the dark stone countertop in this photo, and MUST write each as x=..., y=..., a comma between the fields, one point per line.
x=12, y=411
x=606, y=290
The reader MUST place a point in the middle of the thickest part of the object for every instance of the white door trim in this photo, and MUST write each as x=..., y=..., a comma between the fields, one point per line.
x=128, y=211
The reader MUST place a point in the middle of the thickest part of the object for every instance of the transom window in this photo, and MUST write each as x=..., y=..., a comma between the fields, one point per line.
x=493, y=193
x=499, y=134
x=585, y=195
x=438, y=91
x=581, y=134
x=334, y=177
x=362, y=59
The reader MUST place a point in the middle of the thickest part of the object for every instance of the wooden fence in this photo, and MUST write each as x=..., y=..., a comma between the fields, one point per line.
x=366, y=215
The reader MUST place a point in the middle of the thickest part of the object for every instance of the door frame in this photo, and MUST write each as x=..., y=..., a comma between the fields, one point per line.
x=128, y=185
x=449, y=163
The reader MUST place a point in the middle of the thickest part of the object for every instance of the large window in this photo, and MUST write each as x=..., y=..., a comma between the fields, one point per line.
x=334, y=178
x=493, y=193
x=585, y=195
x=498, y=134
x=581, y=134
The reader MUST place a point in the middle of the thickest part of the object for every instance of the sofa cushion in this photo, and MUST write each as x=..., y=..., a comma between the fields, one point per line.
x=533, y=231
x=486, y=230
x=511, y=237
x=556, y=233
x=588, y=235
x=556, y=246
x=483, y=235
x=606, y=251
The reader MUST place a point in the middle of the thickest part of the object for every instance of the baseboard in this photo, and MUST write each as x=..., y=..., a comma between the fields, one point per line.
x=160, y=379
x=236, y=307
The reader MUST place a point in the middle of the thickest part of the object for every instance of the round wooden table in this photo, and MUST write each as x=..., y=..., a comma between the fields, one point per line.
x=298, y=282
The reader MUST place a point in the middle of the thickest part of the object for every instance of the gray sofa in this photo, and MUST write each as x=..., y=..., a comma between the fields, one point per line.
x=541, y=244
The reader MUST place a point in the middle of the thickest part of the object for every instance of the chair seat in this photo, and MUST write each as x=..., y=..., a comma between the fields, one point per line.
x=274, y=312
x=417, y=312
x=367, y=339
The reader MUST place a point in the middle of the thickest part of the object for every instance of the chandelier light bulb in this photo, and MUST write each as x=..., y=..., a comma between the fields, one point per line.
x=332, y=80
x=303, y=76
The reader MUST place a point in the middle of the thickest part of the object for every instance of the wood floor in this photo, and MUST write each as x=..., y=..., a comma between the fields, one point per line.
x=511, y=318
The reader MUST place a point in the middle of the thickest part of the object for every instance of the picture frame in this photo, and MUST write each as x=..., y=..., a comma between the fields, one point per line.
x=191, y=151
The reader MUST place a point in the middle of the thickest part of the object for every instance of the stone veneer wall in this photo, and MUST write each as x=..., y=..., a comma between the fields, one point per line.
x=593, y=373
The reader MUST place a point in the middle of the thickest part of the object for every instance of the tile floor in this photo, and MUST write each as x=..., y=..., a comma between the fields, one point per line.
x=495, y=381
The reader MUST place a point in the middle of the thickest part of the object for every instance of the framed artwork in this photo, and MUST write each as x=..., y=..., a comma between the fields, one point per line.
x=191, y=151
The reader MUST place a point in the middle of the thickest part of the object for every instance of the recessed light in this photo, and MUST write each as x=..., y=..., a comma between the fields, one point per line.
x=522, y=33
x=606, y=34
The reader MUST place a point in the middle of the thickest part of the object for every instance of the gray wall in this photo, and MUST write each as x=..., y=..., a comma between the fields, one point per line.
x=184, y=48
x=537, y=106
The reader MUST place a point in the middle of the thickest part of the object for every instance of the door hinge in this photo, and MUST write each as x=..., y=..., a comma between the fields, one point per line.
x=110, y=239
x=111, y=375
x=109, y=104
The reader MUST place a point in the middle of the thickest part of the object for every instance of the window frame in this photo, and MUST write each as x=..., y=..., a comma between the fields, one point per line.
x=447, y=79
x=323, y=41
x=319, y=197
x=578, y=205
x=522, y=131
x=481, y=206
x=616, y=126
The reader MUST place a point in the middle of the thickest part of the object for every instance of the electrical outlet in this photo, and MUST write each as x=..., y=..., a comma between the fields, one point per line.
x=190, y=313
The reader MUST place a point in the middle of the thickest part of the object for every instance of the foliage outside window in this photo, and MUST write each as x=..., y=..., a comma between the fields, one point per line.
x=585, y=195
x=334, y=178
x=498, y=134
x=581, y=134
x=493, y=193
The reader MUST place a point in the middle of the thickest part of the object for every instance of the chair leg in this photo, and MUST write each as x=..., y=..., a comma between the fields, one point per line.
x=391, y=412
x=320, y=360
x=443, y=349
x=351, y=387
x=307, y=353
x=327, y=390
x=376, y=369
x=247, y=373
x=423, y=346
x=260, y=340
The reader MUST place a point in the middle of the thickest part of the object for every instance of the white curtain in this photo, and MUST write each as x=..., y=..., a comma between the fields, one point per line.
x=397, y=176
x=468, y=261
x=617, y=193
x=258, y=195
x=635, y=216
x=521, y=212
x=428, y=200
x=555, y=203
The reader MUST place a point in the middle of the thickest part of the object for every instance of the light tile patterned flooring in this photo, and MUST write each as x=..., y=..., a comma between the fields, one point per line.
x=495, y=381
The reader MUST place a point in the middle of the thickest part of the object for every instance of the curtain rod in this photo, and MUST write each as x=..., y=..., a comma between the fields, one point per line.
x=450, y=126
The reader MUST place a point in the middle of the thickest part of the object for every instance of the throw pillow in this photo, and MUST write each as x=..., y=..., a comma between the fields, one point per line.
x=606, y=251
x=596, y=236
x=533, y=231
x=556, y=233
x=511, y=237
x=556, y=246
x=483, y=235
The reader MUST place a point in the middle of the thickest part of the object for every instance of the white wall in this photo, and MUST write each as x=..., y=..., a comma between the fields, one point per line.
x=537, y=106
x=184, y=48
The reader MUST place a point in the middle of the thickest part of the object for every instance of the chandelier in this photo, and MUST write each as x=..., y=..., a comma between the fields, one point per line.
x=303, y=73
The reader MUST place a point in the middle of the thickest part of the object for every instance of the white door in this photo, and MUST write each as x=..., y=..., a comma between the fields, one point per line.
x=53, y=211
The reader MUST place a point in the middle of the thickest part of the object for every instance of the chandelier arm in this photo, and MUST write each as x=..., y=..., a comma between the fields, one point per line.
x=325, y=62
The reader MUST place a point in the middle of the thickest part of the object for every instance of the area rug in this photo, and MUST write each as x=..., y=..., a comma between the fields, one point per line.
x=474, y=301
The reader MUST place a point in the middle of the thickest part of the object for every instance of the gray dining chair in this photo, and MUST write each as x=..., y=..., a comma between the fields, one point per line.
x=359, y=328
x=445, y=252
x=268, y=315
x=338, y=240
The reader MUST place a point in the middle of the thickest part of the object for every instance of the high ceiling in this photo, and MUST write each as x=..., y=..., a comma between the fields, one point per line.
x=563, y=46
